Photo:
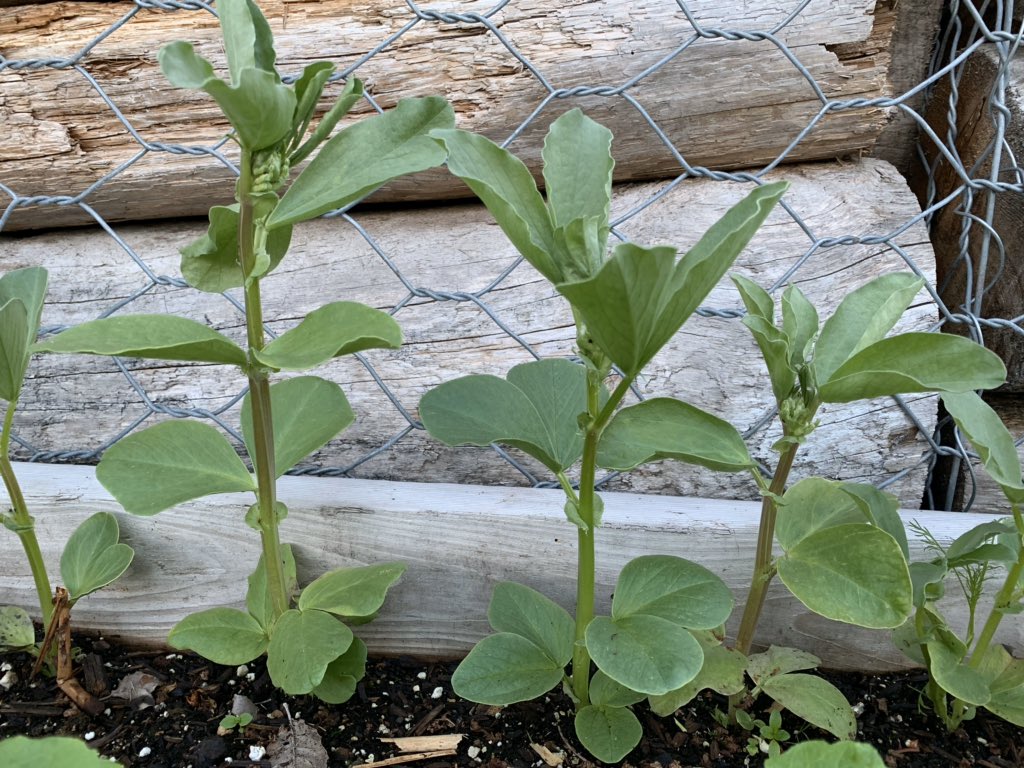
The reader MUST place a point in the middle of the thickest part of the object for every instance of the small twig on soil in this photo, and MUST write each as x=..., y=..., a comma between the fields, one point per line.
x=421, y=726
x=409, y=758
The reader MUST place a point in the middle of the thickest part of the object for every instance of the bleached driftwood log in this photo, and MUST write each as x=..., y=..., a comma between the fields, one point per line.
x=79, y=403
x=723, y=104
x=458, y=541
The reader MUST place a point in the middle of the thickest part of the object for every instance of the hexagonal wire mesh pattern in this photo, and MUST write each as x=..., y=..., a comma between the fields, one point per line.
x=973, y=198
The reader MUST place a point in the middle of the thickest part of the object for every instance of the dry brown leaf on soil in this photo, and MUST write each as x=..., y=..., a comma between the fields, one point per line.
x=426, y=743
x=553, y=759
x=297, y=745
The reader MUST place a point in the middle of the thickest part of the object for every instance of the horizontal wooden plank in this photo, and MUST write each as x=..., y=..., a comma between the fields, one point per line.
x=79, y=403
x=723, y=104
x=458, y=541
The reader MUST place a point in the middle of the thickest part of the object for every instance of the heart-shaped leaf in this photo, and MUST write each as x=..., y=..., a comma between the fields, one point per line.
x=815, y=700
x=914, y=362
x=647, y=654
x=853, y=573
x=302, y=646
x=169, y=463
x=222, y=635
x=352, y=592
x=665, y=428
x=536, y=410
x=673, y=589
x=505, y=185
x=504, y=669
x=863, y=317
x=333, y=330
x=722, y=672
x=93, y=556
x=609, y=733
x=364, y=156
x=641, y=296
x=990, y=439
x=160, y=337
x=526, y=612
x=343, y=674
x=948, y=669
x=307, y=412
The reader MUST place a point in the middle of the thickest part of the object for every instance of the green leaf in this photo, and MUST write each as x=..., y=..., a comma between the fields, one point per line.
x=1005, y=676
x=815, y=700
x=608, y=733
x=757, y=300
x=247, y=38
x=606, y=692
x=159, y=337
x=504, y=669
x=210, y=263
x=364, y=156
x=16, y=628
x=928, y=580
x=819, y=754
x=52, y=752
x=990, y=439
x=28, y=285
x=880, y=508
x=673, y=589
x=302, y=645
x=258, y=105
x=640, y=297
x=535, y=410
x=948, y=670
x=222, y=635
x=14, y=348
x=647, y=654
x=358, y=591
x=333, y=330
x=722, y=672
x=578, y=173
x=914, y=362
x=526, y=612
x=779, y=660
x=811, y=505
x=307, y=412
x=775, y=351
x=169, y=463
x=799, y=323
x=665, y=428
x=343, y=674
x=257, y=597
x=853, y=573
x=970, y=547
x=863, y=317
x=505, y=185
x=93, y=556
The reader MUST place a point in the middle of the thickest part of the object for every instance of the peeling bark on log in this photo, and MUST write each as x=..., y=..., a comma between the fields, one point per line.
x=458, y=542
x=975, y=131
x=80, y=403
x=722, y=104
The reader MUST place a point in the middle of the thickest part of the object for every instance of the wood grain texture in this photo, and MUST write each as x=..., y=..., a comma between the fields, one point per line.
x=79, y=403
x=458, y=541
x=975, y=131
x=723, y=104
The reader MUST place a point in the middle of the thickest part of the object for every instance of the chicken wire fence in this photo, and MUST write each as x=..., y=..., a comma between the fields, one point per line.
x=968, y=30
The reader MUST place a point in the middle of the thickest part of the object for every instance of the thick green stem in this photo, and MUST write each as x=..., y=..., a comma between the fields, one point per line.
x=23, y=523
x=259, y=399
x=764, y=570
x=598, y=418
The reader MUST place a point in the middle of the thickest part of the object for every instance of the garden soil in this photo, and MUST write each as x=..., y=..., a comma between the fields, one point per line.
x=162, y=710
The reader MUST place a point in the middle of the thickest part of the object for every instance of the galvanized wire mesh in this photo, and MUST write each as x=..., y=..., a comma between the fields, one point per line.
x=971, y=28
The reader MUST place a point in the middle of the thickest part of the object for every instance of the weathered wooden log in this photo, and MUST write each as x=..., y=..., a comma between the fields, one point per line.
x=458, y=541
x=723, y=104
x=80, y=403
x=960, y=236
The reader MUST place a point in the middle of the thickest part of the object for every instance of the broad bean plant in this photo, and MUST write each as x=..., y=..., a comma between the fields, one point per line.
x=309, y=647
x=972, y=670
x=666, y=611
x=844, y=546
x=93, y=556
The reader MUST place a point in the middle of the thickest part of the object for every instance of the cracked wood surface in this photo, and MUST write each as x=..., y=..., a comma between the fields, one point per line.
x=722, y=104
x=79, y=403
x=458, y=542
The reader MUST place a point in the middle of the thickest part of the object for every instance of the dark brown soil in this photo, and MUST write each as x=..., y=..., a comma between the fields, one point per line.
x=175, y=724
